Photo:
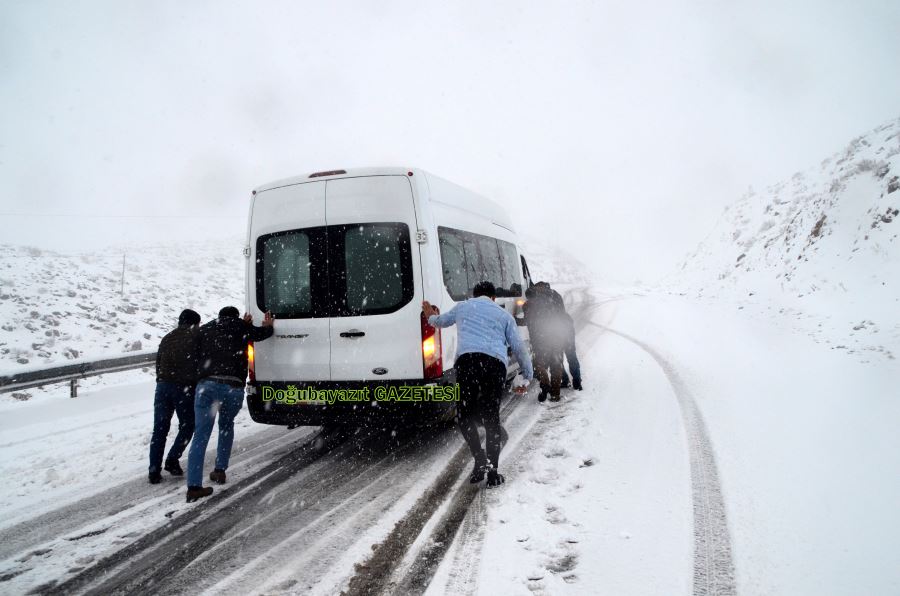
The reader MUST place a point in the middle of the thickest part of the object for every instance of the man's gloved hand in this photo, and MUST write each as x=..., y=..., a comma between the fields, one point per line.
x=520, y=385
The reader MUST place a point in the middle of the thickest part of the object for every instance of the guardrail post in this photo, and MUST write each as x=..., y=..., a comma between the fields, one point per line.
x=73, y=388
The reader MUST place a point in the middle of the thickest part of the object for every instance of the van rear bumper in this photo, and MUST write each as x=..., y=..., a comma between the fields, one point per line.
x=352, y=402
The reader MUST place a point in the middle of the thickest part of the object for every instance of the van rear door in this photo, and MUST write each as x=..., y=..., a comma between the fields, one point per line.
x=375, y=279
x=290, y=278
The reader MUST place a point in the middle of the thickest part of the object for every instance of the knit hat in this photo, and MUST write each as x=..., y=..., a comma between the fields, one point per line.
x=188, y=317
x=229, y=311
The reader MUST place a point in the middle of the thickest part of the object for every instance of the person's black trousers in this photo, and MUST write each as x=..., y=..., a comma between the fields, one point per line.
x=548, y=367
x=481, y=381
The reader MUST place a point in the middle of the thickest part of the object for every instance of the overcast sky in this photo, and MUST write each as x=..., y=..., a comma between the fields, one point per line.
x=617, y=130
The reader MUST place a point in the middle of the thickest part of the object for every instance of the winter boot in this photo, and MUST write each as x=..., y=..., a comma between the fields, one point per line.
x=173, y=467
x=217, y=476
x=478, y=473
x=554, y=398
x=494, y=478
x=155, y=477
x=576, y=385
x=542, y=395
x=198, y=492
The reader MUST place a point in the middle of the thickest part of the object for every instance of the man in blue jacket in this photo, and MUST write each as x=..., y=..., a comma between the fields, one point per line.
x=485, y=330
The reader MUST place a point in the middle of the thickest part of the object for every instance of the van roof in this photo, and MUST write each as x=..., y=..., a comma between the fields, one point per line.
x=470, y=200
x=339, y=173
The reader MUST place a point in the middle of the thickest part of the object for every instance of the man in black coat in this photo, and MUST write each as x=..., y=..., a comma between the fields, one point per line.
x=176, y=376
x=544, y=315
x=222, y=358
x=568, y=324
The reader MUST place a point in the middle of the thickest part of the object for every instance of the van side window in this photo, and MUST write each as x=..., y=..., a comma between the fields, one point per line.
x=468, y=258
x=512, y=281
x=490, y=260
x=453, y=264
x=474, y=268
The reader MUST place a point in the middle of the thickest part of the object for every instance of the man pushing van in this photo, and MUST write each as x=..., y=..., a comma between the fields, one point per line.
x=485, y=330
x=222, y=359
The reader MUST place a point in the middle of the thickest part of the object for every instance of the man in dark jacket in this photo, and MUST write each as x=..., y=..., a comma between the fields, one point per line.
x=176, y=376
x=544, y=315
x=571, y=357
x=222, y=355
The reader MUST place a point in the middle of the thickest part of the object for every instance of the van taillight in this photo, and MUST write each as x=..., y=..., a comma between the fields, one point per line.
x=251, y=364
x=431, y=350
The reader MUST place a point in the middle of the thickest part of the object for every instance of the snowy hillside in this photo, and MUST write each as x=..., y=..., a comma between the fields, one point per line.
x=553, y=264
x=822, y=248
x=56, y=307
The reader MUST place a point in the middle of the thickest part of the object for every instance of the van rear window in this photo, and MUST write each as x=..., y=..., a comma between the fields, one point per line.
x=335, y=271
x=377, y=268
x=290, y=273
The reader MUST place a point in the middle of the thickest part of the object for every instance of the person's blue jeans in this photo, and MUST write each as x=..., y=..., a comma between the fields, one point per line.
x=213, y=398
x=171, y=398
x=574, y=365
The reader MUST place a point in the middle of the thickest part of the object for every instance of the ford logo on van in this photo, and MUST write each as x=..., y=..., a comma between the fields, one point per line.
x=379, y=371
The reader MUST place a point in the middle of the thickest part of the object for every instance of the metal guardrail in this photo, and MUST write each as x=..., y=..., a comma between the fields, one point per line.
x=73, y=372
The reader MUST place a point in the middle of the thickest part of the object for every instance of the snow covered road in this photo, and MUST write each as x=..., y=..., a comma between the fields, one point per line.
x=604, y=500
x=804, y=438
x=712, y=452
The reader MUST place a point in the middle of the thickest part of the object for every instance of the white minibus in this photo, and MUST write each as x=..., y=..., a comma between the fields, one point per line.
x=343, y=260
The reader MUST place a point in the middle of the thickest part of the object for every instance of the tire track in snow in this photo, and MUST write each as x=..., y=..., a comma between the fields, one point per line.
x=374, y=575
x=34, y=532
x=466, y=510
x=124, y=565
x=713, y=562
x=463, y=575
x=289, y=547
x=466, y=518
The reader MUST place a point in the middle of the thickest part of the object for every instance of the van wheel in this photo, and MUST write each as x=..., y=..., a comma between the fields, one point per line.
x=449, y=415
x=326, y=435
x=331, y=428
